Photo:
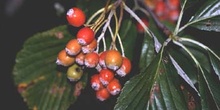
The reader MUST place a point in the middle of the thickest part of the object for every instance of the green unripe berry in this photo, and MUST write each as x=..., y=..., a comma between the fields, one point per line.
x=74, y=72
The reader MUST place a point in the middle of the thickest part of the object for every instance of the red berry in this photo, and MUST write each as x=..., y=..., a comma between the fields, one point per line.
x=91, y=59
x=102, y=94
x=173, y=4
x=75, y=17
x=125, y=67
x=173, y=15
x=114, y=87
x=140, y=27
x=160, y=8
x=73, y=47
x=90, y=47
x=102, y=59
x=64, y=59
x=106, y=76
x=85, y=36
x=113, y=59
x=95, y=82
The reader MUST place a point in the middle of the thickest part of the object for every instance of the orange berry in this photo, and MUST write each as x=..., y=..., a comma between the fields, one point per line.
x=91, y=59
x=113, y=59
x=90, y=47
x=80, y=58
x=64, y=59
x=73, y=47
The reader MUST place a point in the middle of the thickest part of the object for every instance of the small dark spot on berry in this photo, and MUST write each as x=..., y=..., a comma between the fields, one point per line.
x=78, y=69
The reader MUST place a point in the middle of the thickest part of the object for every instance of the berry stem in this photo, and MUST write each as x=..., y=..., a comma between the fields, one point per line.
x=121, y=45
x=119, y=39
x=104, y=28
x=110, y=31
x=99, y=25
x=118, y=22
x=116, y=28
x=97, y=13
x=121, y=15
x=137, y=7
x=104, y=43
x=106, y=6
x=106, y=25
x=133, y=14
x=112, y=46
x=100, y=21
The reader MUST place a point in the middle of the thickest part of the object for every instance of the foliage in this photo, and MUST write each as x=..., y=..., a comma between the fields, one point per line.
x=174, y=71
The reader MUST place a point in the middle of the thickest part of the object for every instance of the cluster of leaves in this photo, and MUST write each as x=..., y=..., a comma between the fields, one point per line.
x=174, y=73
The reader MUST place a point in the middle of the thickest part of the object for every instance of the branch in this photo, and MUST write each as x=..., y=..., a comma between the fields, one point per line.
x=157, y=21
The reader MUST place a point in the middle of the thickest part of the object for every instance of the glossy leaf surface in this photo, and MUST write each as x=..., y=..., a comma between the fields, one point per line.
x=207, y=17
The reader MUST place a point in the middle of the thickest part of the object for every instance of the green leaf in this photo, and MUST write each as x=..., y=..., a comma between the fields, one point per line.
x=184, y=65
x=182, y=74
x=207, y=80
x=209, y=89
x=147, y=51
x=167, y=93
x=149, y=44
x=210, y=61
x=207, y=17
x=210, y=82
x=136, y=92
x=42, y=84
x=156, y=87
x=215, y=62
x=157, y=34
x=128, y=34
x=169, y=88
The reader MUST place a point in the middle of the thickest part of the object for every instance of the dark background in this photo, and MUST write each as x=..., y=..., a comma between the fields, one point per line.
x=37, y=16
x=29, y=18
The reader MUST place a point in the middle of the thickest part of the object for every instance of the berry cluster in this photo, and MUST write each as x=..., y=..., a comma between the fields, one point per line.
x=111, y=63
x=81, y=52
x=165, y=9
